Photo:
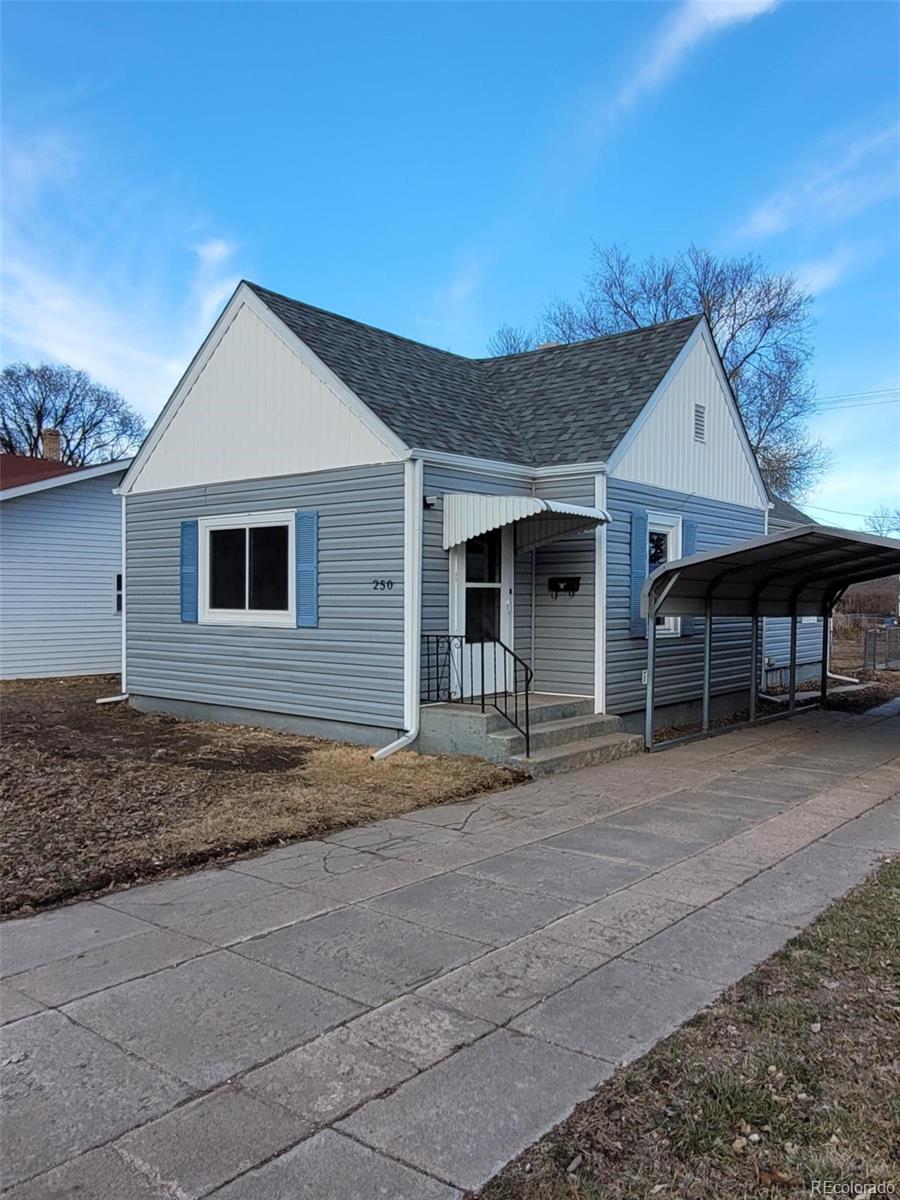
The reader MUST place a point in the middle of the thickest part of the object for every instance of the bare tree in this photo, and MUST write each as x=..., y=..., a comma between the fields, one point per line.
x=759, y=318
x=884, y=521
x=95, y=423
x=510, y=339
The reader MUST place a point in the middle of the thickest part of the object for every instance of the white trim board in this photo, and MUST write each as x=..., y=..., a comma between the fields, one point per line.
x=600, y=599
x=79, y=476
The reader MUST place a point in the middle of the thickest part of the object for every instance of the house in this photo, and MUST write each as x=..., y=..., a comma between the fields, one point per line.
x=60, y=568
x=777, y=630
x=337, y=530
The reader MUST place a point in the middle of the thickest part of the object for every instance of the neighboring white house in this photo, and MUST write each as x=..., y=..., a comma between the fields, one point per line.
x=60, y=569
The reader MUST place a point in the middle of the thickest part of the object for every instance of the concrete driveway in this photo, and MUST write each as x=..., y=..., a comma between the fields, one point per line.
x=400, y=1009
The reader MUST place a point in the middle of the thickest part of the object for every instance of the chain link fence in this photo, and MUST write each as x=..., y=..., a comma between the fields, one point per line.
x=862, y=643
x=881, y=649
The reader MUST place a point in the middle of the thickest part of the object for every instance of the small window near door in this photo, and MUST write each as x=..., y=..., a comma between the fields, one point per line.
x=663, y=545
x=118, y=593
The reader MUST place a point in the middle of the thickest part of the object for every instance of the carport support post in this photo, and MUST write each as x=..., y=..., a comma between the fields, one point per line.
x=826, y=631
x=754, y=662
x=707, y=660
x=651, y=669
x=792, y=687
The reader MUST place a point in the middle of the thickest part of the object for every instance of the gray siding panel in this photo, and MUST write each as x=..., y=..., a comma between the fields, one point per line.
x=778, y=641
x=679, y=674
x=60, y=552
x=564, y=627
x=349, y=668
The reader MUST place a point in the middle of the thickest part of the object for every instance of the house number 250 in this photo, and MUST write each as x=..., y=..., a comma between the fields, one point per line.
x=382, y=585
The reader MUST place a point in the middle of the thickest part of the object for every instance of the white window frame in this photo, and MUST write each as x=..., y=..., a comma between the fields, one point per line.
x=668, y=523
x=276, y=618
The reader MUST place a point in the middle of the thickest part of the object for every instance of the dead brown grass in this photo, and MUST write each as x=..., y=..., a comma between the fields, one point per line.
x=790, y=1078
x=95, y=797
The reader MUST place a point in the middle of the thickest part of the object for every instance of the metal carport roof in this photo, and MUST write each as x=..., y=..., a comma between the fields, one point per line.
x=800, y=572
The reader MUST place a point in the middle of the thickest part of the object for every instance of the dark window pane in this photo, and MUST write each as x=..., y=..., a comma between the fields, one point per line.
x=269, y=567
x=227, y=568
x=483, y=558
x=482, y=614
x=659, y=548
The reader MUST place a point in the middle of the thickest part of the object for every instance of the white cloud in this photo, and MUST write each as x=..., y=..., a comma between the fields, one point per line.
x=837, y=183
x=93, y=284
x=693, y=22
x=817, y=275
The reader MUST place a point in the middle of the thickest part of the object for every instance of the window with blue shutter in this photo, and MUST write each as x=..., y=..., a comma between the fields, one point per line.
x=189, y=571
x=307, y=568
x=640, y=527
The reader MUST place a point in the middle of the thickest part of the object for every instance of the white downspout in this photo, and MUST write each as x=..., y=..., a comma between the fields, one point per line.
x=413, y=493
x=123, y=694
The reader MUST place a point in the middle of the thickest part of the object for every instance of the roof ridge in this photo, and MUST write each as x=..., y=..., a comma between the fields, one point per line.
x=487, y=358
x=602, y=337
x=327, y=312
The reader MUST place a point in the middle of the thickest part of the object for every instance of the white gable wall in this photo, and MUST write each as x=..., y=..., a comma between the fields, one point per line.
x=661, y=450
x=255, y=410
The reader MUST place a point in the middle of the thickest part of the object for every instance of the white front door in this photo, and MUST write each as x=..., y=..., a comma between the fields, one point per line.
x=481, y=612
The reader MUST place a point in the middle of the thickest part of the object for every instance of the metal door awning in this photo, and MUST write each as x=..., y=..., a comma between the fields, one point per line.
x=801, y=572
x=536, y=521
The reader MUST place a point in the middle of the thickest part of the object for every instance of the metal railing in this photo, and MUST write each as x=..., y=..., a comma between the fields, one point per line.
x=457, y=671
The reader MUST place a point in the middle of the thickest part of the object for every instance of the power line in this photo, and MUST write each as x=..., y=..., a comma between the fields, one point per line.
x=825, y=408
x=841, y=512
x=854, y=395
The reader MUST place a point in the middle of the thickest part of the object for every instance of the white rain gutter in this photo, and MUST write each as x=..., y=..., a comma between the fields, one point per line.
x=413, y=492
x=123, y=694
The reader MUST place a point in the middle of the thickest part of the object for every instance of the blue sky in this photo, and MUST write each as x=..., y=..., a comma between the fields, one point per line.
x=438, y=169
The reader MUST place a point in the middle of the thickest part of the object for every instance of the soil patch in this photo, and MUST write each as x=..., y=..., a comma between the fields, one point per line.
x=93, y=797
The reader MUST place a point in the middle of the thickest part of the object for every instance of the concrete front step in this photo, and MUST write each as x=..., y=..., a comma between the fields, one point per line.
x=569, y=757
x=546, y=734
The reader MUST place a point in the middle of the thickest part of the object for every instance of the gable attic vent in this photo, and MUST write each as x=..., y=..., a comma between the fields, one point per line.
x=699, y=422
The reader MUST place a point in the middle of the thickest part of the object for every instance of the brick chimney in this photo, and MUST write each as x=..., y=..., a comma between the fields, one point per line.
x=51, y=444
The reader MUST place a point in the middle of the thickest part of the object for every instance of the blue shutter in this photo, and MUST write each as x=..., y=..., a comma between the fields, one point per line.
x=189, y=571
x=307, y=568
x=640, y=554
x=688, y=547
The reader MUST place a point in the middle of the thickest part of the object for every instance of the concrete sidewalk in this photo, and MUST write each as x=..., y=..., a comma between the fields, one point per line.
x=401, y=1008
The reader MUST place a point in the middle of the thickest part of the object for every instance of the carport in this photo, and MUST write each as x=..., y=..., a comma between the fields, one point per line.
x=801, y=572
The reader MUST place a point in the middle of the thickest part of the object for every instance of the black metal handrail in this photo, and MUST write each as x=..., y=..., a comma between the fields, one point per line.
x=445, y=681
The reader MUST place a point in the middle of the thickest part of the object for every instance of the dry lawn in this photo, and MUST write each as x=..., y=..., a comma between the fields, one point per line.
x=790, y=1078
x=97, y=796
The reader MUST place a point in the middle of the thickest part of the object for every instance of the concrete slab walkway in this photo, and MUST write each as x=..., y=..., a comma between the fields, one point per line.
x=401, y=1008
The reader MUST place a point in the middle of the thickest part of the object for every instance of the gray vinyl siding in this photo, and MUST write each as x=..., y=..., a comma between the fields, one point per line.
x=349, y=668
x=436, y=560
x=679, y=672
x=564, y=627
x=777, y=643
x=60, y=552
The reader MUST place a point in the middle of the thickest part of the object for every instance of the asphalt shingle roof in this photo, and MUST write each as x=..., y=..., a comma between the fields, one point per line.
x=787, y=514
x=560, y=404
